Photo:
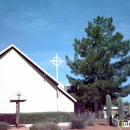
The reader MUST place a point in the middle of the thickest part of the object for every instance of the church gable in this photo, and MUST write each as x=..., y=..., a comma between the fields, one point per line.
x=19, y=73
x=15, y=55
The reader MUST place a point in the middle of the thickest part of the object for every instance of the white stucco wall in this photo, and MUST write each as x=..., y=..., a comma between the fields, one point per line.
x=17, y=75
x=64, y=104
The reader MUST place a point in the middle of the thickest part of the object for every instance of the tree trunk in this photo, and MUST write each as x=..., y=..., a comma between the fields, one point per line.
x=99, y=101
x=99, y=109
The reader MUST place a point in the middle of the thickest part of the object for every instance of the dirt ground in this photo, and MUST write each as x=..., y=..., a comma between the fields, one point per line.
x=102, y=125
x=20, y=128
x=99, y=125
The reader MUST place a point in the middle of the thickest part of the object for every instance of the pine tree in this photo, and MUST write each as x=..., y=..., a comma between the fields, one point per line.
x=101, y=63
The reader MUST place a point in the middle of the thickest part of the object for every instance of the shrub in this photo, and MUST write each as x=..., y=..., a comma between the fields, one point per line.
x=80, y=121
x=38, y=126
x=31, y=118
x=9, y=118
x=44, y=126
x=51, y=126
x=90, y=121
x=4, y=126
x=58, y=117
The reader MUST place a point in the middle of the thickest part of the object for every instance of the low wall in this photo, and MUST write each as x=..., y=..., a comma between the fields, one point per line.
x=114, y=110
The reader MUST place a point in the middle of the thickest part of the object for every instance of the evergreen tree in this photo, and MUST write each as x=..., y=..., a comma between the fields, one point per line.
x=101, y=63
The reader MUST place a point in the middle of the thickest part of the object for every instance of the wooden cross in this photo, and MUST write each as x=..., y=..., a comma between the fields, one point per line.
x=17, y=100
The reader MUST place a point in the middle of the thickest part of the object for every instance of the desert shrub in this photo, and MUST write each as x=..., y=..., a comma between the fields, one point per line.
x=80, y=121
x=90, y=121
x=4, y=126
x=51, y=126
x=38, y=126
x=44, y=126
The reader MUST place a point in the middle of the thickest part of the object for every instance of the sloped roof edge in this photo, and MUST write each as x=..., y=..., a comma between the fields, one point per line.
x=58, y=84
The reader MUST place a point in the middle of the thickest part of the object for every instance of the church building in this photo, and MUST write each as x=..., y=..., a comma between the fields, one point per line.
x=22, y=79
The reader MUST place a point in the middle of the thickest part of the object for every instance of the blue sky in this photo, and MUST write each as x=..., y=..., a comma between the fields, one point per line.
x=42, y=28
